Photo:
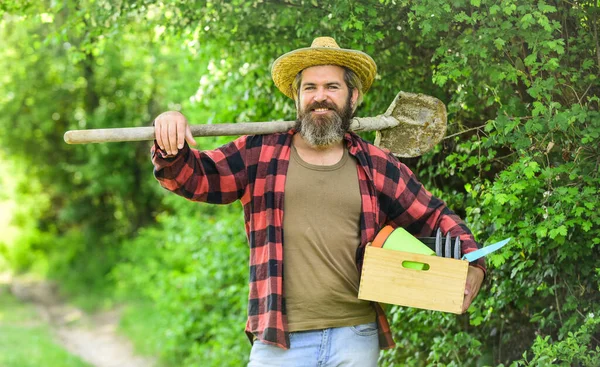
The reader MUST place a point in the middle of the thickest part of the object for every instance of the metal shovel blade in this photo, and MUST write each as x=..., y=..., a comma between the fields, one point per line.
x=422, y=124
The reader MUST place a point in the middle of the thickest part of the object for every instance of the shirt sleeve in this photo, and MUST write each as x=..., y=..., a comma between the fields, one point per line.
x=214, y=176
x=409, y=205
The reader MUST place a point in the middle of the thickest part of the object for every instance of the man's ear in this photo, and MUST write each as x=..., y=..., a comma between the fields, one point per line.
x=354, y=98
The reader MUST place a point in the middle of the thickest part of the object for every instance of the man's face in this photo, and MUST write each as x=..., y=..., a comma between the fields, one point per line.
x=325, y=105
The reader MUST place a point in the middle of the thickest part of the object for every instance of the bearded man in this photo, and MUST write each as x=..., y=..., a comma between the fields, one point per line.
x=336, y=191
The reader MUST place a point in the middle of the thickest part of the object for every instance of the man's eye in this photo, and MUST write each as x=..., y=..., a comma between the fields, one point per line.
x=334, y=87
x=309, y=88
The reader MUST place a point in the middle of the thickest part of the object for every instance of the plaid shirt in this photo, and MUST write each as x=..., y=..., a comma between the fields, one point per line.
x=253, y=169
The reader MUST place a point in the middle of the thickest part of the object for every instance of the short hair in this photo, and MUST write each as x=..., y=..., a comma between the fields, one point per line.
x=350, y=78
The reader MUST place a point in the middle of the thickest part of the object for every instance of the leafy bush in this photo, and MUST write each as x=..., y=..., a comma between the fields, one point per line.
x=193, y=268
x=573, y=350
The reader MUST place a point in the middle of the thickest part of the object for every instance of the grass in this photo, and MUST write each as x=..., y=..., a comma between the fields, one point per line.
x=26, y=340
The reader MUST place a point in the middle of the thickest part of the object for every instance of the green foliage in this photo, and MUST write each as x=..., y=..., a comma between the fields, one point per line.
x=573, y=350
x=430, y=338
x=531, y=170
x=192, y=267
x=92, y=197
x=521, y=160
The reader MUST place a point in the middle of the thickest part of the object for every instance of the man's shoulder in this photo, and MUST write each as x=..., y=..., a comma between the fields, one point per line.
x=371, y=149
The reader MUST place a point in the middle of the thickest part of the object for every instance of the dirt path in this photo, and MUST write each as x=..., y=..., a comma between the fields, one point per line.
x=91, y=337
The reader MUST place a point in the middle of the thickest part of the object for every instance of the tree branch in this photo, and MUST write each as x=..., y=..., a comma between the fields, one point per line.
x=464, y=131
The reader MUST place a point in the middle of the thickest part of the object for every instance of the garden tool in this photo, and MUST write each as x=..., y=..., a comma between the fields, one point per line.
x=454, y=251
x=472, y=256
x=448, y=251
x=412, y=125
x=444, y=246
x=399, y=239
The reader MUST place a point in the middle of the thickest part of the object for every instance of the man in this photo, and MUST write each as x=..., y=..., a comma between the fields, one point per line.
x=336, y=191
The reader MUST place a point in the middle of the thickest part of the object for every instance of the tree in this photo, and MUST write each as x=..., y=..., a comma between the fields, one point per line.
x=521, y=158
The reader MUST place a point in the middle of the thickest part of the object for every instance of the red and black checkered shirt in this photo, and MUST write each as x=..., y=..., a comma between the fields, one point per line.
x=253, y=169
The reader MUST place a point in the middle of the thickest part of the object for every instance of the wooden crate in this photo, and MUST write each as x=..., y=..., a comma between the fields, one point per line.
x=439, y=288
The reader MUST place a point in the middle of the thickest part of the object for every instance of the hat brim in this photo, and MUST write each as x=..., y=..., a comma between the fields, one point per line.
x=287, y=66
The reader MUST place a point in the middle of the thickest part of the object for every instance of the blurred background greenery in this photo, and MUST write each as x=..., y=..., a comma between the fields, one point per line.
x=521, y=160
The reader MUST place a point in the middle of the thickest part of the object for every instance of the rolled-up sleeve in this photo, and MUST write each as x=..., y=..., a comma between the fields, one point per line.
x=411, y=206
x=216, y=176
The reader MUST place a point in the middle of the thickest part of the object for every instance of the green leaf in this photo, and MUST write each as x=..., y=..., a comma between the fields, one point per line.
x=497, y=260
x=545, y=8
x=499, y=42
x=541, y=232
x=588, y=63
x=527, y=21
x=440, y=79
x=538, y=108
x=586, y=226
x=477, y=320
x=552, y=64
x=531, y=169
x=509, y=9
x=530, y=59
x=501, y=198
x=561, y=230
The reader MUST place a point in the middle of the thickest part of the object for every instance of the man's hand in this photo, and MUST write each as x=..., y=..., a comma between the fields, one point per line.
x=171, y=129
x=474, y=279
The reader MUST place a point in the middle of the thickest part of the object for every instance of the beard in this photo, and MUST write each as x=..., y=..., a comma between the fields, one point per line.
x=322, y=131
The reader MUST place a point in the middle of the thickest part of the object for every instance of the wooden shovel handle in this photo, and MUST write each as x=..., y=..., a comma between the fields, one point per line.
x=240, y=128
x=147, y=132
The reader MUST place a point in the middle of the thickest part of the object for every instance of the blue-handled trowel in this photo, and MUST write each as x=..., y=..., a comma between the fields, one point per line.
x=472, y=256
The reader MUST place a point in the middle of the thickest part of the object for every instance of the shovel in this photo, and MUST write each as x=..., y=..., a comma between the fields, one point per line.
x=411, y=126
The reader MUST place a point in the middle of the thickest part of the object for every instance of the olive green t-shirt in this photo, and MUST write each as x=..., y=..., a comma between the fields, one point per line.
x=321, y=226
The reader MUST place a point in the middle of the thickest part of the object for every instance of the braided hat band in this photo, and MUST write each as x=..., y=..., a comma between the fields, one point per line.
x=323, y=51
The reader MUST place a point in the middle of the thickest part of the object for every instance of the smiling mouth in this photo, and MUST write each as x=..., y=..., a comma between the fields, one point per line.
x=321, y=110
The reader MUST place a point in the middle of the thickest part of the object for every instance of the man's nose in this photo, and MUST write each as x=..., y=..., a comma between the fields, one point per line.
x=320, y=95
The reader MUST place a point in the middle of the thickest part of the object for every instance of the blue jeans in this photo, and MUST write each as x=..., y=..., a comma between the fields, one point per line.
x=342, y=346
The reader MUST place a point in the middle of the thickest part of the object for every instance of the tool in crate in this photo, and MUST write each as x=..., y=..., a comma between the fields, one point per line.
x=440, y=245
x=413, y=276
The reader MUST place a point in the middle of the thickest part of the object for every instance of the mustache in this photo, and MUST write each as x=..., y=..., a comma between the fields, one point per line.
x=322, y=104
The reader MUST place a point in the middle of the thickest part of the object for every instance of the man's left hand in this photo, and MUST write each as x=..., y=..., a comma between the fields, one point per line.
x=474, y=279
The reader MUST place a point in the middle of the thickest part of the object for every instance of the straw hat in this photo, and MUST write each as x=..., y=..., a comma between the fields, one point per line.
x=323, y=51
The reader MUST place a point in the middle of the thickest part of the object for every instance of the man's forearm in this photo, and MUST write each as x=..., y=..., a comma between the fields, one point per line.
x=207, y=176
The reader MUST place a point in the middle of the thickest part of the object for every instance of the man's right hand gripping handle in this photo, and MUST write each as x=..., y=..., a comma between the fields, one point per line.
x=171, y=129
